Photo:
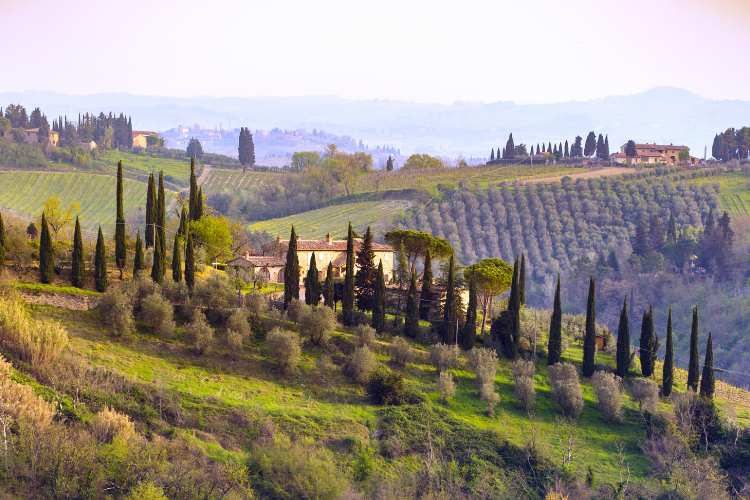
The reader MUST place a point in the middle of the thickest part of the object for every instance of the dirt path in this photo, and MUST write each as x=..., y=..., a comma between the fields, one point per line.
x=585, y=174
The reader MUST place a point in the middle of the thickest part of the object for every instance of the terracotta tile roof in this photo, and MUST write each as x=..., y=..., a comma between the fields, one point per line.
x=257, y=261
x=143, y=132
x=660, y=146
x=332, y=245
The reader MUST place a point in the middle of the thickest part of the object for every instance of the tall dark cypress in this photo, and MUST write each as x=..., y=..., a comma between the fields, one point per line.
x=554, y=343
x=623, y=342
x=667, y=380
x=77, y=259
x=694, y=362
x=157, y=269
x=378, y=305
x=347, y=301
x=291, y=271
x=450, y=319
x=199, y=203
x=161, y=221
x=469, y=332
x=46, y=254
x=425, y=297
x=522, y=280
x=589, y=341
x=364, y=280
x=138, y=260
x=176, y=260
x=150, y=211
x=312, y=283
x=514, y=310
x=328, y=288
x=411, y=324
x=707, y=379
x=192, y=204
x=189, y=262
x=120, y=245
x=648, y=344
x=100, y=263
x=182, y=228
x=2, y=241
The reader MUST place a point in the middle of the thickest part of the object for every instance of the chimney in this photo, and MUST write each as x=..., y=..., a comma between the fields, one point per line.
x=329, y=240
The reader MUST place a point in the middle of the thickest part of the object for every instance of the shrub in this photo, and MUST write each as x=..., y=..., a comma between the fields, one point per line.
x=365, y=335
x=157, y=314
x=296, y=310
x=523, y=377
x=293, y=470
x=286, y=348
x=146, y=490
x=488, y=394
x=116, y=311
x=203, y=334
x=608, y=389
x=646, y=393
x=237, y=323
x=256, y=304
x=217, y=295
x=317, y=323
x=386, y=387
x=20, y=403
x=566, y=389
x=401, y=352
x=444, y=356
x=109, y=424
x=362, y=364
x=446, y=386
x=234, y=341
x=325, y=367
x=484, y=363
x=37, y=342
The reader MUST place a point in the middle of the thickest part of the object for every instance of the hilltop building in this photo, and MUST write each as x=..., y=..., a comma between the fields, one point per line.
x=271, y=267
x=145, y=138
x=654, y=154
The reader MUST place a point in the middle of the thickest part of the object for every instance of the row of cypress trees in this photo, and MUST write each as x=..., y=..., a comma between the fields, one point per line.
x=155, y=236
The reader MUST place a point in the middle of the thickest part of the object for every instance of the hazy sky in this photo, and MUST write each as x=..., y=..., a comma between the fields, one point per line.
x=525, y=51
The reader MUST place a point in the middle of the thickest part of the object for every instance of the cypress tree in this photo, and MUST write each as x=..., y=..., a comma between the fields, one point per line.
x=150, y=211
x=182, y=229
x=492, y=154
x=411, y=324
x=100, y=263
x=189, y=262
x=46, y=254
x=176, y=260
x=693, y=364
x=367, y=274
x=707, y=379
x=648, y=344
x=312, y=283
x=378, y=305
x=566, y=152
x=157, y=273
x=120, y=248
x=77, y=259
x=589, y=341
x=328, y=288
x=425, y=298
x=522, y=280
x=514, y=312
x=193, y=196
x=199, y=203
x=450, y=327
x=668, y=367
x=554, y=343
x=291, y=271
x=161, y=230
x=2, y=241
x=469, y=333
x=348, y=298
x=623, y=342
x=138, y=263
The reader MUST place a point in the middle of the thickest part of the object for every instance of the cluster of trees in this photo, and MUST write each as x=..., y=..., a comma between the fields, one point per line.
x=556, y=225
x=594, y=147
x=731, y=144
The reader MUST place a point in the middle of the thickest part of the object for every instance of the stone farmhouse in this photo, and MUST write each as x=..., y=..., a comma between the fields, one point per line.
x=654, y=154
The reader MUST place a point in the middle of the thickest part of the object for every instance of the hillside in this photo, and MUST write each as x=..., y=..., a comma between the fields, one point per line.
x=217, y=401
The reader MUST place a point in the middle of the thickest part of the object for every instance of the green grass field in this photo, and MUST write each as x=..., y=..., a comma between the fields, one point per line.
x=334, y=409
x=734, y=191
x=177, y=170
x=334, y=219
x=24, y=194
